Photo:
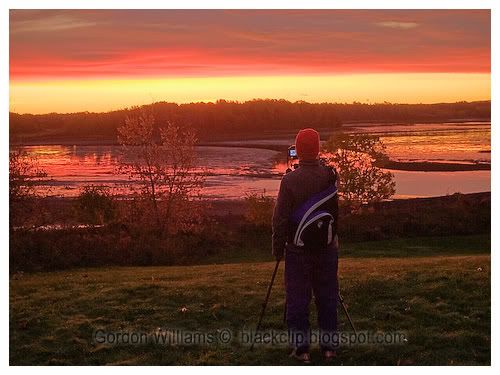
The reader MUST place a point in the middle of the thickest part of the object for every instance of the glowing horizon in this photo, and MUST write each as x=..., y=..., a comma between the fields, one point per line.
x=104, y=95
x=101, y=60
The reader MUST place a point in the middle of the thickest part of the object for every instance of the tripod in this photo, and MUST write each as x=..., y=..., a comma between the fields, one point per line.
x=266, y=300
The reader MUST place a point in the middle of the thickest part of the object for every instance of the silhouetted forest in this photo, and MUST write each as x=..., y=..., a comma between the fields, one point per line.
x=231, y=119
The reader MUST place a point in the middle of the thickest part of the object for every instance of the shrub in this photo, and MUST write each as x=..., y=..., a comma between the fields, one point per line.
x=96, y=205
x=259, y=209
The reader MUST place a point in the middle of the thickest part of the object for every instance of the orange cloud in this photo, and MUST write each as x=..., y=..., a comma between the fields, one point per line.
x=398, y=25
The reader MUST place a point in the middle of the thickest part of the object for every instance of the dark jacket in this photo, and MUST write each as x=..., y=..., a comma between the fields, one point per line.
x=297, y=187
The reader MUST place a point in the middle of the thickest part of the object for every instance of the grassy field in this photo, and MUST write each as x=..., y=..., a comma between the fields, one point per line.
x=436, y=291
x=258, y=249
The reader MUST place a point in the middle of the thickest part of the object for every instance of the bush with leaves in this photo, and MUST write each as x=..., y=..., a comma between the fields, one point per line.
x=96, y=205
x=259, y=209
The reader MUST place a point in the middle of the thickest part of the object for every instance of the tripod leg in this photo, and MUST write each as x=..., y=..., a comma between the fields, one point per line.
x=341, y=299
x=264, y=305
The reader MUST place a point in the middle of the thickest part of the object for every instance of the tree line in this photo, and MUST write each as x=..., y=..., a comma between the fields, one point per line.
x=231, y=119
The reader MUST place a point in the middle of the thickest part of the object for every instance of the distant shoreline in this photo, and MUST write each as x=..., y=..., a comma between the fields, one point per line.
x=428, y=166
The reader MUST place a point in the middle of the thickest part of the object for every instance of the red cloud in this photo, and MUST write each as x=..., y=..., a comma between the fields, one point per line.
x=59, y=44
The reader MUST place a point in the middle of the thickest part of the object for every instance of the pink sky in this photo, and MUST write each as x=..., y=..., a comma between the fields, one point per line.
x=171, y=43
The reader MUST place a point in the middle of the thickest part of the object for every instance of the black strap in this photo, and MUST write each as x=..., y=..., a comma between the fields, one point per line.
x=333, y=174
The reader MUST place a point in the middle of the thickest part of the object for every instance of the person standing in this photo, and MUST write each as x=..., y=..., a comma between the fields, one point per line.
x=305, y=232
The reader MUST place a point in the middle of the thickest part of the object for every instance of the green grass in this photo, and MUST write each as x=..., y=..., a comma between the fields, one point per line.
x=420, y=246
x=257, y=248
x=442, y=303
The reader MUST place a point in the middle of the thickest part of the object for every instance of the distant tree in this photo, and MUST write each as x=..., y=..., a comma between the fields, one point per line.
x=164, y=168
x=231, y=119
x=24, y=176
x=355, y=157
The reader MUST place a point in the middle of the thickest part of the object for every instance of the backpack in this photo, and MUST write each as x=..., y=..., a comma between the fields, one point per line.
x=312, y=222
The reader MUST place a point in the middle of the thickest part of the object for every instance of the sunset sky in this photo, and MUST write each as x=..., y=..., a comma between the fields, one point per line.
x=95, y=60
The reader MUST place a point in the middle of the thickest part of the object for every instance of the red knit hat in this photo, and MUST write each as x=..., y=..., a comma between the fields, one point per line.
x=307, y=144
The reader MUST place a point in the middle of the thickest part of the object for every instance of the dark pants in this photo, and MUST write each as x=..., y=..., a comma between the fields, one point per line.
x=308, y=272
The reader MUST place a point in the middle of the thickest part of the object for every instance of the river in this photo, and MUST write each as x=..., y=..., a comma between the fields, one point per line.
x=236, y=171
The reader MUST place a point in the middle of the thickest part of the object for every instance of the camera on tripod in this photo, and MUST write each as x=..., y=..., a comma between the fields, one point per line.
x=291, y=157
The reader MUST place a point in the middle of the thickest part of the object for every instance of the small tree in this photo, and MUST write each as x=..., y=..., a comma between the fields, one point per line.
x=163, y=166
x=355, y=157
x=24, y=176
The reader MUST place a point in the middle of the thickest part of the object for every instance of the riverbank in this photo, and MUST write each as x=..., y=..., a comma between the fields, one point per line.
x=428, y=166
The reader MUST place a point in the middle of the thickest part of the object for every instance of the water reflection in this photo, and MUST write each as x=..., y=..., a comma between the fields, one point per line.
x=235, y=171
